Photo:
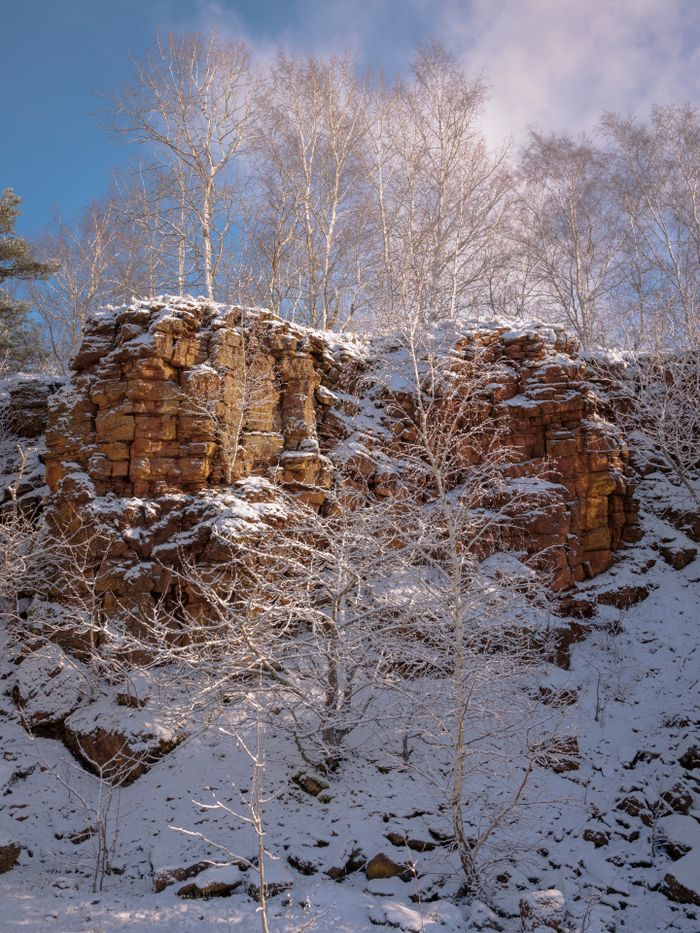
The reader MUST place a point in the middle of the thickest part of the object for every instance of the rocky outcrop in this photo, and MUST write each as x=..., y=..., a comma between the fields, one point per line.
x=553, y=416
x=185, y=417
x=571, y=497
x=23, y=422
x=189, y=395
x=183, y=420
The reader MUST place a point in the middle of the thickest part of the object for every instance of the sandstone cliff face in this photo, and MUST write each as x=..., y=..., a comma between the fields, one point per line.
x=182, y=420
x=160, y=390
x=553, y=420
x=582, y=506
x=185, y=417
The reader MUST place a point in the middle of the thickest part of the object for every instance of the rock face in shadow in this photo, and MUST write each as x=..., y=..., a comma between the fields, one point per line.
x=28, y=404
x=117, y=747
x=184, y=417
x=24, y=416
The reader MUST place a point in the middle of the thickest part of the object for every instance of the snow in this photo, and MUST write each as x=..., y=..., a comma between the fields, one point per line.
x=686, y=871
x=154, y=312
x=634, y=680
x=435, y=916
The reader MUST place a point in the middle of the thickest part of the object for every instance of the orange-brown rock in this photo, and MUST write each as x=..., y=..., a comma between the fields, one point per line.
x=185, y=396
x=182, y=413
x=571, y=499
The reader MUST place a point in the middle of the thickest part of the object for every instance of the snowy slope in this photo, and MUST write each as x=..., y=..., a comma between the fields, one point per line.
x=606, y=833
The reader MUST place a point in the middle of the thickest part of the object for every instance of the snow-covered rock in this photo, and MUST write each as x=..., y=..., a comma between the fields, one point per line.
x=49, y=686
x=543, y=911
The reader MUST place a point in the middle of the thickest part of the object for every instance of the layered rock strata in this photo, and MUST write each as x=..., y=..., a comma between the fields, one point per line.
x=552, y=418
x=180, y=398
x=184, y=417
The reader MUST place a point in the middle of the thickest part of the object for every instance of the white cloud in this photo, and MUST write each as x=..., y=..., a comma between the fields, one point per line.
x=560, y=63
x=555, y=64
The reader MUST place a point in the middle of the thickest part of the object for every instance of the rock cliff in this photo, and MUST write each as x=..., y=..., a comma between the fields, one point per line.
x=184, y=417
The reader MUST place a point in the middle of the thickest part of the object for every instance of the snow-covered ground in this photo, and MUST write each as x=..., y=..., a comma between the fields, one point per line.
x=606, y=834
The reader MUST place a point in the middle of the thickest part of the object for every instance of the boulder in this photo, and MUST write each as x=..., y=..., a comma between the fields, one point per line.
x=213, y=882
x=310, y=783
x=277, y=880
x=637, y=806
x=677, y=556
x=690, y=759
x=164, y=876
x=416, y=845
x=682, y=881
x=351, y=861
x=598, y=837
x=678, y=798
x=120, y=743
x=624, y=596
x=381, y=866
x=560, y=754
x=9, y=855
x=543, y=911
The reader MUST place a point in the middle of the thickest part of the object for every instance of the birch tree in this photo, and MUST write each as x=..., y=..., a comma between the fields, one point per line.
x=656, y=399
x=193, y=102
x=573, y=232
x=480, y=609
x=98, y=261
x=439, y=192
x=307, y=228
x=658, y=166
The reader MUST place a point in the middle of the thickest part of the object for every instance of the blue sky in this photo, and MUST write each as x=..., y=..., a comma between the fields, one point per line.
x=58, y=55
x=551, y=63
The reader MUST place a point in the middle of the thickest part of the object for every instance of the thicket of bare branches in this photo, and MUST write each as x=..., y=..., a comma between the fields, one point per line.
x=655, y=397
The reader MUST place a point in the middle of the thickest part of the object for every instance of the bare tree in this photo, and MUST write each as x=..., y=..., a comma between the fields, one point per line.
x=481, y=610
x=158, y=226
x=573, y=232
x=360, y=198
x=656, y=399
x=100, y=806
x=658, y=178
x=193, y=101
x=118, y=248
x=21, y=553
x=439, y=192
x=300, y=608
x=85, y=259
x=252, y=813
x=306, y=220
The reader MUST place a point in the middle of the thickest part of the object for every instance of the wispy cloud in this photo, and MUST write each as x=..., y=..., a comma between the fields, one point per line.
x=550, y=63
x=558, y=64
